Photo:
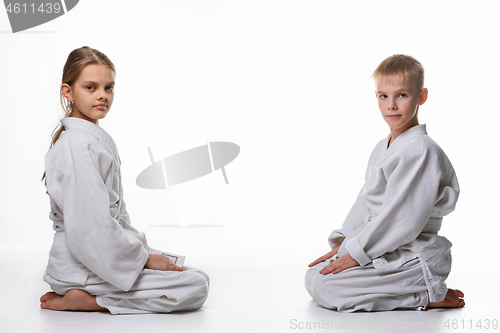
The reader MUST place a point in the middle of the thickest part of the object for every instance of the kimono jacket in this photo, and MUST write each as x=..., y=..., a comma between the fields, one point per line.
x=93, y=231
x=409, y=187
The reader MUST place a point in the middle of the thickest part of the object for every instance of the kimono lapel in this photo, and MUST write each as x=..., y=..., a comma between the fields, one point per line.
x=400, y=141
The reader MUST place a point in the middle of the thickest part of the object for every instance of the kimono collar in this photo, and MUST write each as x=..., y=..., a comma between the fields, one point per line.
x=406, y=135
x=71, y=123
x=400, y=141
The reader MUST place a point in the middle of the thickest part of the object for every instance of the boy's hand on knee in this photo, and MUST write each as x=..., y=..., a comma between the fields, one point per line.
x=161, y=262
x=325, y=257
x=339, y=265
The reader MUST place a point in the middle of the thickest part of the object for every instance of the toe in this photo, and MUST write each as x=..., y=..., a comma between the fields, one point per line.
x=458, y=293
x=44, y=297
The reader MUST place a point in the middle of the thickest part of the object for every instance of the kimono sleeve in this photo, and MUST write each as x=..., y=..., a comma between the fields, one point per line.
x=410, y=195
x=94, y=237
x=357, y=216
x=355, y=219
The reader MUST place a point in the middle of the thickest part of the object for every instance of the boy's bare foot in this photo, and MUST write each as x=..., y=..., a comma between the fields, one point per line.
x=75, y=300
x=454, y=299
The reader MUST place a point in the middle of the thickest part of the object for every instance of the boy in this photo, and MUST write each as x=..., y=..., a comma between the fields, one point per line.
x=387, y=254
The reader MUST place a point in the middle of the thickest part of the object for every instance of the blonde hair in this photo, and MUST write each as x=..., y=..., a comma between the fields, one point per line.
x=77, y=60
x=406, y=66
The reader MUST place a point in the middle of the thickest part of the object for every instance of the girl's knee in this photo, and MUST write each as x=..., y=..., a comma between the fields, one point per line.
x=197, y=271
x=199, y=284
x=198, y=293
x=204, y=276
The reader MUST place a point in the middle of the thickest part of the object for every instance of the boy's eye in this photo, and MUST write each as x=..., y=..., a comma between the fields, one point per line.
x=110, y=88
x=383, y=96
x=402, y=95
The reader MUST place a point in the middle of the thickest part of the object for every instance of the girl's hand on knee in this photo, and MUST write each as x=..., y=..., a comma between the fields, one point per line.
x=325, y=257
x=161, y=262
x=339, y=265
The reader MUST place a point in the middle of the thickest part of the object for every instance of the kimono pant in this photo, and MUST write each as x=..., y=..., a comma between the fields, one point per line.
x=154, y=291
x=366, y=289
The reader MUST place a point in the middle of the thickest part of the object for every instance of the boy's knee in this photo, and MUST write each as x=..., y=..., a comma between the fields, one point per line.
x=317, y=283
x=321, y=288
x=310, y=274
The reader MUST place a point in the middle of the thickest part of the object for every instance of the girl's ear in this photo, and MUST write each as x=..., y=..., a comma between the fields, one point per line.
x=66, y=91
x=423, y=96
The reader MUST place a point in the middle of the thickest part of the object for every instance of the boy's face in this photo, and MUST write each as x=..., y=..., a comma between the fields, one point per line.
x=398, y=102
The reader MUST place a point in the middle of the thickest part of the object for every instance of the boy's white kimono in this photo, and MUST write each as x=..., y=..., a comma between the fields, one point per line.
x=391, y=231
x=95, y=248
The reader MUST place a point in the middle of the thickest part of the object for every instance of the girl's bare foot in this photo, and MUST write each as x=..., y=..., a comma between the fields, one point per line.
x=75, y=300
x=454, y=299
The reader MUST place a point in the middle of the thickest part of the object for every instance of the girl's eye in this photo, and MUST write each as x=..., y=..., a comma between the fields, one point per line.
x=90, y=88
x=110, y=88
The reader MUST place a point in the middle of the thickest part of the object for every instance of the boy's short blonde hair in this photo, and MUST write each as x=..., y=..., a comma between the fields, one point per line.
x=408, y=67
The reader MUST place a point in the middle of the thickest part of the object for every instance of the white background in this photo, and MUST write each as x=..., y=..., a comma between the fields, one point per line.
x=289, y=82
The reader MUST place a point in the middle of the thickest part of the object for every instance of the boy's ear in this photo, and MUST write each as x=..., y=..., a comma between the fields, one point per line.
x=423, y=96
x=66, y=91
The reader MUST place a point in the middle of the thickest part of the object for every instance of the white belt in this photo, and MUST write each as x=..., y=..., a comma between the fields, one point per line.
x=433, y=225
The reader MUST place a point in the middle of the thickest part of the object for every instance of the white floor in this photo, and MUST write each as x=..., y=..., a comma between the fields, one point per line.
x=256, y=286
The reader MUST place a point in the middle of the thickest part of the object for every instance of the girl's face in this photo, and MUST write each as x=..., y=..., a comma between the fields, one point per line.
x=92, y=93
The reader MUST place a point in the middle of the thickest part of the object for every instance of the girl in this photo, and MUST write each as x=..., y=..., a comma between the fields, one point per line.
x=98, y=261
x=387, y=254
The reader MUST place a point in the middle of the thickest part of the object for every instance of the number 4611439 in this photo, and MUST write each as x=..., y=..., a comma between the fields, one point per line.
x=24, y=8
x=483, y=324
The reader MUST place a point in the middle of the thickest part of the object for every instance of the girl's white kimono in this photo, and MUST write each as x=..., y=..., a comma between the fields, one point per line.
x=391, y=231
x=95, y=248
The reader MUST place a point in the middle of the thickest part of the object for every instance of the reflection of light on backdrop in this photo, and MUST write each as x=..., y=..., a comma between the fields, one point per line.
x=192, y=164
x=188, y=165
